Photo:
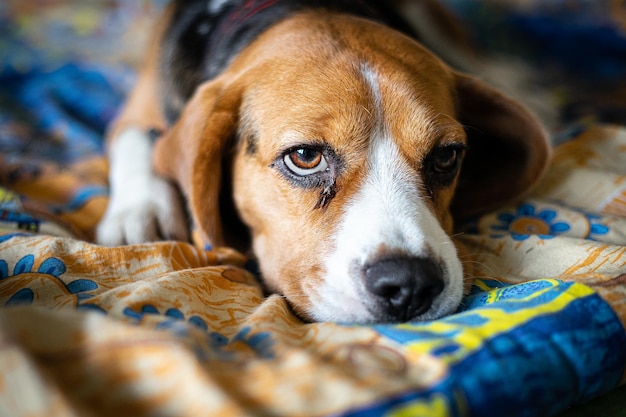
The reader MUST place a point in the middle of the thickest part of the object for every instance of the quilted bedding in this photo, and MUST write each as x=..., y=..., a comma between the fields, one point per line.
x=168, y=329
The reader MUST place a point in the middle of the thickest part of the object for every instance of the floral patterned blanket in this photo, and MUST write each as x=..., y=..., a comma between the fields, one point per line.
x=168, y=329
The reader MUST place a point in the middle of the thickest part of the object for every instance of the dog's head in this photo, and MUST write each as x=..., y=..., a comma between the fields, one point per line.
x=352, y=150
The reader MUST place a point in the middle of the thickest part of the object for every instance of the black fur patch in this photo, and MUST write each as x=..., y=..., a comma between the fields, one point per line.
x=251, y=144
x=198, y=44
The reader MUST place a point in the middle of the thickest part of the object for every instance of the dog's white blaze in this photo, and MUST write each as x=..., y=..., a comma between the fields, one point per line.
x=387, y=214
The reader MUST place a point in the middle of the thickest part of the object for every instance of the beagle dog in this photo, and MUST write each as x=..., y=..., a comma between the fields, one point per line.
x=326, y=137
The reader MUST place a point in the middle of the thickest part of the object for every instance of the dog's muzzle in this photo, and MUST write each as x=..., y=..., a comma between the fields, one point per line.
x=402, y=288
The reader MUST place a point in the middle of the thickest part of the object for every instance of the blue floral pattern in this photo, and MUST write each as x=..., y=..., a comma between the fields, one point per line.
x=596, y=228
x=53, y=268
x=261, y=343
x=546, y=221
x=527, y=221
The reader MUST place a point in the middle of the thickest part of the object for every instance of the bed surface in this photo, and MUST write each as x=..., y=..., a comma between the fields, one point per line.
x=168, y=329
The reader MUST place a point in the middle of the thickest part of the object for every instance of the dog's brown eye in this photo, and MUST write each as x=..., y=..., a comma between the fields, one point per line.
x=442, y=165
x=306, y=161
x=446, y=160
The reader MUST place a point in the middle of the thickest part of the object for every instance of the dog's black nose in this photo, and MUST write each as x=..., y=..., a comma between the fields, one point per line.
x=404, y=287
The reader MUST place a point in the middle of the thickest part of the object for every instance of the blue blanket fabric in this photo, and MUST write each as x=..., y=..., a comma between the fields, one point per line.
x=525, y=350
x=73, y=103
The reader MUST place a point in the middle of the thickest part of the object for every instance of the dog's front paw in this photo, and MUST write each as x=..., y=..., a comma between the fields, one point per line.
x=143, y=213
x=143, y=207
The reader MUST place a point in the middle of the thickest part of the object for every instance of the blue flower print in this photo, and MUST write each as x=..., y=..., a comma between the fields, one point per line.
x=221, y=346
x=173, y=314
x=262, y=343
x=53, y=268
x=597, y=230
x=527, y=221
x=25, y=296
x=5, y=238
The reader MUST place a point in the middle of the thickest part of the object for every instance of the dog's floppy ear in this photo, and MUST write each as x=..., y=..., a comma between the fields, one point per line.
x=192, y=150
x=508, y=149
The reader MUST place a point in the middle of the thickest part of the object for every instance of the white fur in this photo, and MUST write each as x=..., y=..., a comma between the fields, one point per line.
x=388, y=212
x=142, y=207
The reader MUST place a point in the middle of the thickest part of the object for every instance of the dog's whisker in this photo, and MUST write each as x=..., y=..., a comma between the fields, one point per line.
x=481, y=264
x=482, y=255
x=491, y=277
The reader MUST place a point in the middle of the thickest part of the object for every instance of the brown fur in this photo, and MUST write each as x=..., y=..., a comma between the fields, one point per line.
x=302, y=76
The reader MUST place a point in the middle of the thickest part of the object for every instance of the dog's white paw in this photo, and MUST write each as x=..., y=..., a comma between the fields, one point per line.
x=151, y=212
x=143, y=207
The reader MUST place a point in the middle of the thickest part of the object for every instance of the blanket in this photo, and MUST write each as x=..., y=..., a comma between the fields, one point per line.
x=170, y=329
